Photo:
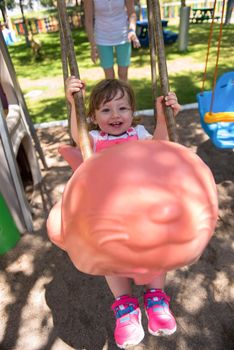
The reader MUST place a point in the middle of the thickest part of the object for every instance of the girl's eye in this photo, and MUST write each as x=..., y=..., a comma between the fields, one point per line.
x=105, y=110
x=124, y=109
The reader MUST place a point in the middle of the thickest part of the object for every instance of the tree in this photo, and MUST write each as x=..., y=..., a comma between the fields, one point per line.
x=3, y=10
x=21, y=5
x=184, y=26
x=48, y=3
x=10, y=4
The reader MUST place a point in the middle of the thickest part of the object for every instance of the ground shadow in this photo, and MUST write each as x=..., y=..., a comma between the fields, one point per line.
x=80, y=305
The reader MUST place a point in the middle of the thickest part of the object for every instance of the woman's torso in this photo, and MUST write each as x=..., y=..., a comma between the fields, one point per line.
x=110, y=22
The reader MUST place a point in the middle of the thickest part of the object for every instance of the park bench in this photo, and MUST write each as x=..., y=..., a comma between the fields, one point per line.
x=201, y=15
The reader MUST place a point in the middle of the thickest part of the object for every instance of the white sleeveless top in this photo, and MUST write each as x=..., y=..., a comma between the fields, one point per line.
x=139, y=130
x=110, y=22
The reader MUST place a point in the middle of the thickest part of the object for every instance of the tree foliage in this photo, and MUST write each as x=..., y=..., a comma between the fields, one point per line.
x=10, y=4
x=48, y=3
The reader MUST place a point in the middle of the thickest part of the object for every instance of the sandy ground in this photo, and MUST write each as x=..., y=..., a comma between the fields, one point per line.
x=46, y=304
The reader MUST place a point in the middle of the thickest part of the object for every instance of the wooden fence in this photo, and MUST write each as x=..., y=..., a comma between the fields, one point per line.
x=47, y=24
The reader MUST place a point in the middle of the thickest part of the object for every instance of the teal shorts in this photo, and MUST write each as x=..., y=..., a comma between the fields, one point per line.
x=107, y=53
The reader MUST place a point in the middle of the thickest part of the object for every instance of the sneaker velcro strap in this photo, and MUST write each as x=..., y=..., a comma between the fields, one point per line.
x=125, y=300
x=149, y=295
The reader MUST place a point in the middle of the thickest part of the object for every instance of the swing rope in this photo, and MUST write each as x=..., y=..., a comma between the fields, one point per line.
x=153, y=54
x=208, y=49
x=67, y=43
x=218, y=54
x=157, y=43
x=65, y=74
x=211, y=117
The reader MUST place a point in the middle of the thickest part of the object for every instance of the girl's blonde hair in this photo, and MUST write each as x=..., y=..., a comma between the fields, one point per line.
x=106, y=90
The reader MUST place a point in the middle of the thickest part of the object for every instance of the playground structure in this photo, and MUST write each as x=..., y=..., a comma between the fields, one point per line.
x=9, y=36
x=20, y=173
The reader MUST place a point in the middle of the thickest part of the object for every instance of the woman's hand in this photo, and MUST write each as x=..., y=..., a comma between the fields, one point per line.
x=94, y=53
x=73, y=85
x=132, y=37
x=170, y=101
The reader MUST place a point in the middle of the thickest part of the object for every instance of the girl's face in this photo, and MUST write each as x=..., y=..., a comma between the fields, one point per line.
x=114, y=117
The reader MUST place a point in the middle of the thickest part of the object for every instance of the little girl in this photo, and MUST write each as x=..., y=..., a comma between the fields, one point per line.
x=111, y=108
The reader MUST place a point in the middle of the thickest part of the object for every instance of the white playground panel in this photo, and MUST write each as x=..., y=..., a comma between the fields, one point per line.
x=15, y=138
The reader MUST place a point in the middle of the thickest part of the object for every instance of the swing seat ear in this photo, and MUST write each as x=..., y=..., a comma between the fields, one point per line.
x=72, y=155
x=54, y=225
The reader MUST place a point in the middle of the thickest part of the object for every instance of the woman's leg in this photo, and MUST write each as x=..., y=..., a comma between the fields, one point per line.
x=109, y=73
x=106, y=56
x=119, y=285
x=123, y=73
x=123, y=56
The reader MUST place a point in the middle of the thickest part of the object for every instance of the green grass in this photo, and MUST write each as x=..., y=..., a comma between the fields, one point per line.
x=186, y=81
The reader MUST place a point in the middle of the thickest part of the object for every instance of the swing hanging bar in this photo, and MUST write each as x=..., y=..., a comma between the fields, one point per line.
x=85, y=146
x=152, y=52
x=65, y=75
x=162, y=68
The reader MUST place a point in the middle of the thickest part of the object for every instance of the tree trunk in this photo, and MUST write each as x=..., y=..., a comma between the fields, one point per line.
x=184, y=28
x=24, y=23
x=230, y=5
x=4, y=14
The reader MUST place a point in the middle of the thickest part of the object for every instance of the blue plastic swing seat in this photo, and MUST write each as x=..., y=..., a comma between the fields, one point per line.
x=221, y=133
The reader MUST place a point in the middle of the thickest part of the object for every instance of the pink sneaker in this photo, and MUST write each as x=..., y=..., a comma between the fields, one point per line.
x=128, y=329
x=160, y=319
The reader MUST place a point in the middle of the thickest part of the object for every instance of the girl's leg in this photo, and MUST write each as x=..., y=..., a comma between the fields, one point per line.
x=158, y=282
x=160, y=319
x=106, y=56
x=119, y=285
x=128, y=328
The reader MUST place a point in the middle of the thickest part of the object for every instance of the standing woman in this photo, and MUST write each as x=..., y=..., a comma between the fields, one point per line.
x=111, y=25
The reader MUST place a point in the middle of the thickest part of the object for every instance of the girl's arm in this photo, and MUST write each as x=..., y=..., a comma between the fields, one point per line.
x=74, y=85
x=161, y=132
x=132, y=17
x=89, y=18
